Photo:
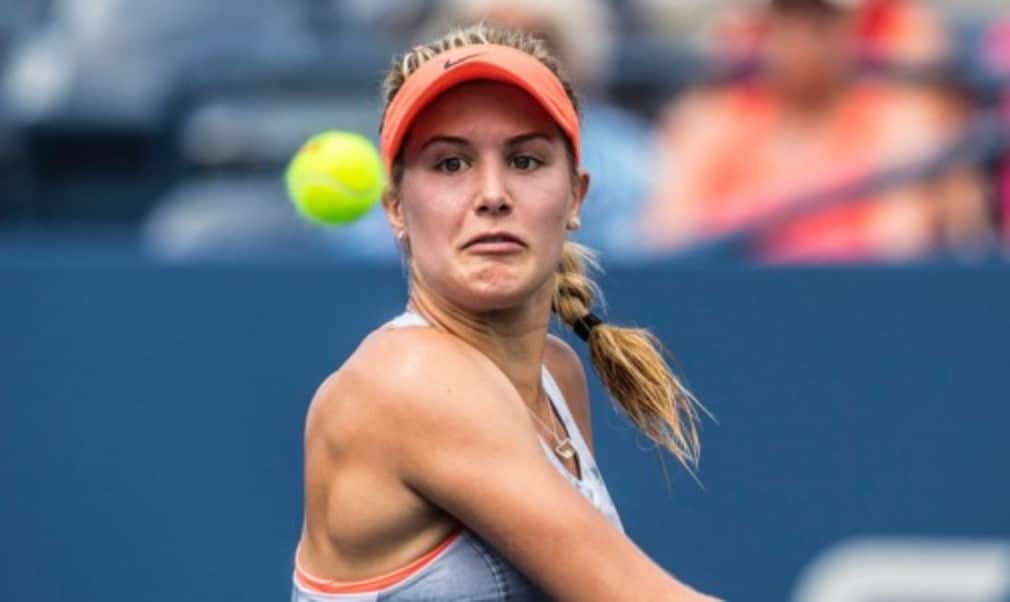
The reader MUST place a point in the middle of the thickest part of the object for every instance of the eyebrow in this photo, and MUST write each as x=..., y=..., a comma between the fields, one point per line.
x=517, y=140
x=454, y=140
x=457, y=141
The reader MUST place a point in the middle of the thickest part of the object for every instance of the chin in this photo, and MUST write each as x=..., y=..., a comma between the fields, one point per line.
x=495, y=288
x=486, y=297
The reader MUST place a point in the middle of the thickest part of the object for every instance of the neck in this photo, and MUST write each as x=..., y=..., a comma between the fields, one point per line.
x=512, y=338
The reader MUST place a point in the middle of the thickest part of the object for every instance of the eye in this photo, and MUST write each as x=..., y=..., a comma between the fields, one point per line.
x=450, y=165
x=525, y=162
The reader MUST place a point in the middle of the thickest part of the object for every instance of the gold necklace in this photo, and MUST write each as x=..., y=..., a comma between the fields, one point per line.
x=564, y=447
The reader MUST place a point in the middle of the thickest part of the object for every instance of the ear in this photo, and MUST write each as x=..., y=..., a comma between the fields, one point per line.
x=393, y=207
x=580, y=187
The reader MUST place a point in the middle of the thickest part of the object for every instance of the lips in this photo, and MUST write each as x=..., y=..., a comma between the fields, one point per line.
x=494, y=241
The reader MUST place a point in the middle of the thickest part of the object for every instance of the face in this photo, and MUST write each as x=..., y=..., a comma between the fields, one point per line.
x=808, y=51
x=486, y=196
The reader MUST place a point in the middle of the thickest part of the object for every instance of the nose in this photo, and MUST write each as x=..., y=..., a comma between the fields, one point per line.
x=493, y=199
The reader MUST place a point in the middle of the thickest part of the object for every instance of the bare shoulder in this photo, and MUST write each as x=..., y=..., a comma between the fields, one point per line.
x=401, y=383
x=566, y=368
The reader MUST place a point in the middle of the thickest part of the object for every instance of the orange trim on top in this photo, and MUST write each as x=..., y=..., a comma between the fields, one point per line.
x=374, y=584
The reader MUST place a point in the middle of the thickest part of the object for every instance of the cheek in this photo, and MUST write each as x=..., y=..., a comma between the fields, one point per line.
x=545, y=217
x=551, y=199
x=432, y=211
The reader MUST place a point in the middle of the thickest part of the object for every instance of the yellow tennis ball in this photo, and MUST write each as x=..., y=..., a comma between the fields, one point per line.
x=336, y=177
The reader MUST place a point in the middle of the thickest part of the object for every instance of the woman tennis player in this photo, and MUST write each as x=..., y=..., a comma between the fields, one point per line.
x=450, y=457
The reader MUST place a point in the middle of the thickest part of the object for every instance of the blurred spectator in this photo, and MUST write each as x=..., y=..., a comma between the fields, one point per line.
x=734, y=154
x=997, y=57
x=904, y=32
x=1004, y=184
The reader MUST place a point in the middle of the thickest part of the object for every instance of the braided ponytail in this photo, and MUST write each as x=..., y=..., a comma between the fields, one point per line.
x=629, y=363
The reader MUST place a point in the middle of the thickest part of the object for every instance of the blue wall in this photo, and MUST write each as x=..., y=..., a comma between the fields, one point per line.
x=150, y=418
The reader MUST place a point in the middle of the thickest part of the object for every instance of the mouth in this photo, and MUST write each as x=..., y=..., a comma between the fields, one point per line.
x=495, y=243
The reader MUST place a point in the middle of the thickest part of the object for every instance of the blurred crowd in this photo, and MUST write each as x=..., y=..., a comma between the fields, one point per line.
x=783, y=131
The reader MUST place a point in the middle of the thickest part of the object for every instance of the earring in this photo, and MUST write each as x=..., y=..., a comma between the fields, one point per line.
x=400, y=235
x=574, y=223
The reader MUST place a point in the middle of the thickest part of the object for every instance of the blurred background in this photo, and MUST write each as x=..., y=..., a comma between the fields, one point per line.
x=809, y=200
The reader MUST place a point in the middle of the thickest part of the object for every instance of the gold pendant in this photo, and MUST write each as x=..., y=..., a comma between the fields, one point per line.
x=565, y=449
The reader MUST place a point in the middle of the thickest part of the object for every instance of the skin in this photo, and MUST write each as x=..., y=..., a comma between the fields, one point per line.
x=809, y=56
x=401, y=450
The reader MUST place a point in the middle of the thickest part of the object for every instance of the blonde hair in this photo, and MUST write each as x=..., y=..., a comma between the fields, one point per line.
x=628, y=361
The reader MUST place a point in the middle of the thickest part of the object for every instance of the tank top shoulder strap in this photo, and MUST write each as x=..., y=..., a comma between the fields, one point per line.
x=407, y=318
x=591, y=483
x=560, y=404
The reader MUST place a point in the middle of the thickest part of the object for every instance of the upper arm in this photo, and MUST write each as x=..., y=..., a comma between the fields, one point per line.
x=464, y=441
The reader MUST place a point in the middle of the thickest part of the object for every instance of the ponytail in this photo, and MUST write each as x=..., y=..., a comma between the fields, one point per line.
x=629, y=362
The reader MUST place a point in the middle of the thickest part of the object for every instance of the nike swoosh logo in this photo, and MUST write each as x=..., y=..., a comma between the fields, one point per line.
x=449, y=63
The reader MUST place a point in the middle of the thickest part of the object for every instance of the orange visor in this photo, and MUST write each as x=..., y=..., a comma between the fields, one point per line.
x=469, y=63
